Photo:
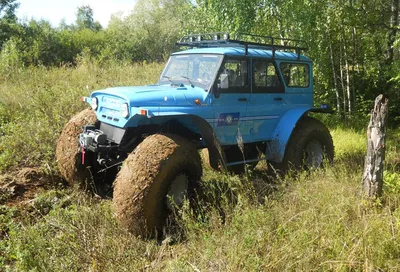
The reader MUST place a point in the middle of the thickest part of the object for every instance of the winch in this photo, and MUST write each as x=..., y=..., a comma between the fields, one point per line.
x=92, y=137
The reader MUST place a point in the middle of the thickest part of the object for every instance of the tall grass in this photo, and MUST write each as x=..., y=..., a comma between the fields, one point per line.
x=37, y=102
x=318, y=222
x=244, y=223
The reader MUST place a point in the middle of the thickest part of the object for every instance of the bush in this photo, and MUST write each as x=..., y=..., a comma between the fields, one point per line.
x=37, y=102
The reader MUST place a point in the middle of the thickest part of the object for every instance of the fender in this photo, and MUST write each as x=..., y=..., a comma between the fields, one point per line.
x=275, y=150
x=216, y=153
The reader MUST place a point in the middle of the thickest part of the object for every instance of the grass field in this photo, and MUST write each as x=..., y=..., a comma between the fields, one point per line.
x=249, y=223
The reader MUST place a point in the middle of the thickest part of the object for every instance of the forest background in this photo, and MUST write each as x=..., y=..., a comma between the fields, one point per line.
x=353, y=43
x=318, y=221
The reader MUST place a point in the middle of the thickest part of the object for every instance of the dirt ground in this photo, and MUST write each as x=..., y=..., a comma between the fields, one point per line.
x=19, y=187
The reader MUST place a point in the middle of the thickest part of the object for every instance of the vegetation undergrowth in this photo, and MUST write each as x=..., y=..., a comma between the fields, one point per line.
x=317, y=222
x=37, y=102
x=243, y=223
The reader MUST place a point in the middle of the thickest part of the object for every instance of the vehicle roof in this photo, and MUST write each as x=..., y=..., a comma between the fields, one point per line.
x=237, y=51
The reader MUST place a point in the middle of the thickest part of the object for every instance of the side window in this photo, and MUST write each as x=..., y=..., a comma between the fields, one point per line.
x=235, y=71
x=265, y=78
x=296, y=75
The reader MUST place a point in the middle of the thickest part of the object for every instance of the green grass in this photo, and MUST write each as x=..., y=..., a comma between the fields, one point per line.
x=248, y=223
x=37, y=102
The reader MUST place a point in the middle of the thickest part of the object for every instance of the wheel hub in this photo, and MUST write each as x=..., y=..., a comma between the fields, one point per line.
x=178, y=191
x=314, y=154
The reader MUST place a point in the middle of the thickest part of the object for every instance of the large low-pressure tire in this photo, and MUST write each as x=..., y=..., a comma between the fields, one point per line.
x=161, y=167
x=309, y=146
x=67, y=149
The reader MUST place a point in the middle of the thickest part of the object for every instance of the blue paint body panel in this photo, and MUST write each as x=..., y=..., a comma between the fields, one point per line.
x=275, y=150
x=267, y=117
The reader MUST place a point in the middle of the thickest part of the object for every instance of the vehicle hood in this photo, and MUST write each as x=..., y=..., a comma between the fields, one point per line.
x=153, y=95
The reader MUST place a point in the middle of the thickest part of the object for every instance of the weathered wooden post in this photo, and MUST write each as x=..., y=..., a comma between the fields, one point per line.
x=372, y=179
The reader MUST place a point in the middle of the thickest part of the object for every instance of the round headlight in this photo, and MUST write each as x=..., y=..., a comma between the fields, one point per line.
x=94, y=103
x=124, y=110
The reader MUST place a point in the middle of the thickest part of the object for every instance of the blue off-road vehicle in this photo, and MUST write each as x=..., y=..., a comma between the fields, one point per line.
x=236, y=98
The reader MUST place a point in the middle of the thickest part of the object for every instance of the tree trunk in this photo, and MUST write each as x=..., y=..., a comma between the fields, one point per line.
x=347, y=68
x=335, y=84
x=342, y=82
x=394, y=23
x=372, y=179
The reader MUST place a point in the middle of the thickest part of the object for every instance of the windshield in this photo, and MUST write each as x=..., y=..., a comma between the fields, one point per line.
x=194, y=69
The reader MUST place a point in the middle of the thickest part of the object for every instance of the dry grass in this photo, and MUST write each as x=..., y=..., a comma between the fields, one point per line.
x=246, y=223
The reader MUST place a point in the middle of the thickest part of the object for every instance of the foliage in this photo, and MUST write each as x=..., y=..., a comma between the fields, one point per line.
x=308, y=224
x=84, y=19
x=354, y=44
x=7, y=9
x=149, y=32
x=36, y=102
x=250, y=222
x=317, y=222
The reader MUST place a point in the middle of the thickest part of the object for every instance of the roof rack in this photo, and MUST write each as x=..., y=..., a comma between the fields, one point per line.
x=223, y=39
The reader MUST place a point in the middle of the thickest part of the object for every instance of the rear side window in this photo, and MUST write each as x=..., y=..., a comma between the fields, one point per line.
x=265, y=78
x=296, y=74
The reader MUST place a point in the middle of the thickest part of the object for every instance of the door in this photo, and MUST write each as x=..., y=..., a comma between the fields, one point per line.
x=268, y=100
x=231, y=106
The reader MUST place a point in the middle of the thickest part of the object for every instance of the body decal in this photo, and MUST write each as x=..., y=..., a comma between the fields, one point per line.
x=228, y=119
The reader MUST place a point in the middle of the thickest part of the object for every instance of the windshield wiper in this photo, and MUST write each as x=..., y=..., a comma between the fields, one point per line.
x=168, y=77
x=191, y=84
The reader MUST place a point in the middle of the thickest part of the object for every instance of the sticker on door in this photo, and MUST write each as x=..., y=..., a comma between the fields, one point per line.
x=228, y=119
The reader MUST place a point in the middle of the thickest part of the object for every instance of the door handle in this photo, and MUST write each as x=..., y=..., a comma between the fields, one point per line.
x=278, y=98
x=242, y=99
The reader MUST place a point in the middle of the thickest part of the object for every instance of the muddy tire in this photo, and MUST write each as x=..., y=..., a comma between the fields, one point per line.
x=309, y=146
x=147, y=176
x=67, y=149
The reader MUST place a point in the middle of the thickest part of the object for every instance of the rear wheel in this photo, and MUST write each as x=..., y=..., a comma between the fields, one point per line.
x=157, y=176
x=67, y=150
x=309, y=147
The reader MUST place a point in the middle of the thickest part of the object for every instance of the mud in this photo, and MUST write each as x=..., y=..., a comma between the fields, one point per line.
x=67, y=147
x=20, y=187
x=142, y=184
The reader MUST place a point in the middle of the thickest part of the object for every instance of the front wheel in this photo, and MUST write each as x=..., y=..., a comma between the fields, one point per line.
x=67, y=150
x=309, y=146
x=164, y=168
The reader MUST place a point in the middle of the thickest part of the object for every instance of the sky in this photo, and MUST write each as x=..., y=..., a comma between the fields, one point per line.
x=55, y=10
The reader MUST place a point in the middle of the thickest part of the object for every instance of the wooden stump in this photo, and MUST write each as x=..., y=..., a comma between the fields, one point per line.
x=372, y=179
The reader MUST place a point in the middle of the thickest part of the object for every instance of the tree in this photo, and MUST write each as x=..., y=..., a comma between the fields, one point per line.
x=7, y=9
x=84, y=19
x=7, y=19
x=149, y=32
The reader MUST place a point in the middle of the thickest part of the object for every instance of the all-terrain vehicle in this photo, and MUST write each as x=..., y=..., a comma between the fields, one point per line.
x=236, y=98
